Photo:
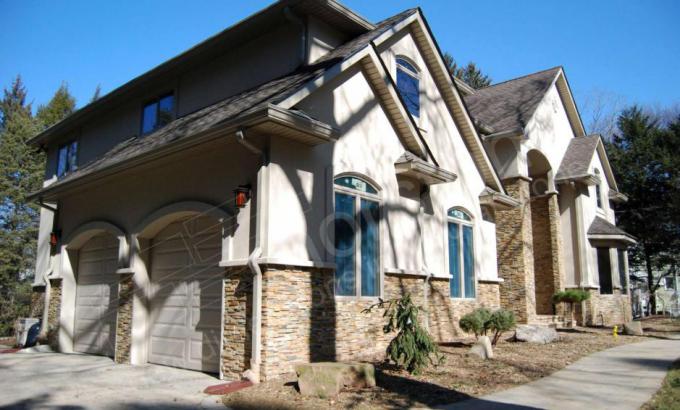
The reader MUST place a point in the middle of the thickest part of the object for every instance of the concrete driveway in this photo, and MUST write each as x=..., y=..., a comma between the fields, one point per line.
x=73, y=381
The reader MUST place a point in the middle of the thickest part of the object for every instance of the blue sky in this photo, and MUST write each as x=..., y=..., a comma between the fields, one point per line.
x=627, y=49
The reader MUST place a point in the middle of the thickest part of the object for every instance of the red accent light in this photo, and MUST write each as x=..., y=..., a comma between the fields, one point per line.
x=242, y=194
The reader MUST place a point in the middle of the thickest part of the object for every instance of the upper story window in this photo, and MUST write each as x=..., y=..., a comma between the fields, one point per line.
x=357, y=238
x=158, y=113
x=461, y=254
x=598, y=191
x=67, y=158
x=408, y=84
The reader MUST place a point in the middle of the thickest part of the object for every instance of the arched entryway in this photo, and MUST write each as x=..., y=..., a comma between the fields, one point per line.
x=545, y=229
x=183, y=246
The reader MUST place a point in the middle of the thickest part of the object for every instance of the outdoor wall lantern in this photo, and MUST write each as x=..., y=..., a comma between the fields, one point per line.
x=242, y=194
x=54, y=237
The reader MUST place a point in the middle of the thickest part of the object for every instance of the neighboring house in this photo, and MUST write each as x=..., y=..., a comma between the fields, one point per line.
x=239, y=206
x=563, y=235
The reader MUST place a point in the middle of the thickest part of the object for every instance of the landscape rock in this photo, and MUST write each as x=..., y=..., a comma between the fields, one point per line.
x=535, y=334
x=633, y=328
x=482, y=348
x=326, y=379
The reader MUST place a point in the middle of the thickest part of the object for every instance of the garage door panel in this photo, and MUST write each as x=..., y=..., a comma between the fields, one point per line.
x=96, y=291
x=186, y=307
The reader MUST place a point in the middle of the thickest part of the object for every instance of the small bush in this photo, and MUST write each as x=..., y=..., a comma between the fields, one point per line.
x=571, y=296
x=482, y=320
x=501, y=321
x=476, y=321
x=412, y=348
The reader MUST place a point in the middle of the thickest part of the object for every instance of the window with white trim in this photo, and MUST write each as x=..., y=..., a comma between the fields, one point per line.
x=357, y=238
x=408, y=84
x=598, y=191
x=461, y=254
x=67, y=158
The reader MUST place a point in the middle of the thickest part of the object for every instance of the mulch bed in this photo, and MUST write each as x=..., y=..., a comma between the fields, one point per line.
x=460, y=376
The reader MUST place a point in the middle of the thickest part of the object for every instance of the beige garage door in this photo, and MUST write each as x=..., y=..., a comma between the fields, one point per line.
x=186, y=295
x=96, y=296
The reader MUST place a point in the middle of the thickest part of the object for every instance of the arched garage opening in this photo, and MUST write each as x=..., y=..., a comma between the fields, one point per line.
x=95, y=252
x=182, y=246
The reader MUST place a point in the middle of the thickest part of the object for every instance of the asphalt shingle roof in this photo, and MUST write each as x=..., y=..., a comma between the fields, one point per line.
x=577, y=158
x=510, y=105
x=231, y=108
x=601, y=226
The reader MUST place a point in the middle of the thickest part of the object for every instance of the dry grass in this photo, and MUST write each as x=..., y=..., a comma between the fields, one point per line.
x=460, y=377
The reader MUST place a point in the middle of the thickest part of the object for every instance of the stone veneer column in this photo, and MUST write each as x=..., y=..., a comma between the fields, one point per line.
x=236, y=332
x=124, y=318
x=515, y=252
x=547, y=248
x=53, y=313
x=37, y=301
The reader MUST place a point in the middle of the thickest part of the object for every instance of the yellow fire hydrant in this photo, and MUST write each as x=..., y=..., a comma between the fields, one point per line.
x=615, y=332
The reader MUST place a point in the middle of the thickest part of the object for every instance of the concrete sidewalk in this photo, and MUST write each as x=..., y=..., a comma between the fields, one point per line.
x=621, y=378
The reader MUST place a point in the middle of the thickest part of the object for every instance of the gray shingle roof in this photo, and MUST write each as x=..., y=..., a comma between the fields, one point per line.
x=510, y=105
x=577, y=158
x=601, y=226
x=231, y=108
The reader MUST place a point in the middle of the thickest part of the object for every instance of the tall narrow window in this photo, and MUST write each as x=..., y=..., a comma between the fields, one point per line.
x=598, y=190
x=623, y=276
x=604, y=269
x=357, y=238
x=461, y=254
x=408, y=84
x=67, y=158
x=158, y=113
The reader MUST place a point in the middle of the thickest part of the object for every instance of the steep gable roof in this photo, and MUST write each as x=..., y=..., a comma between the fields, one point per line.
x=328, y=10
x=226, y=112
x=577, y=158
x=511, y=104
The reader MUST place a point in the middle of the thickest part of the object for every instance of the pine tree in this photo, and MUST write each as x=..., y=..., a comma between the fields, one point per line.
x=21, y=173
x=643, y=155
x=470, y=73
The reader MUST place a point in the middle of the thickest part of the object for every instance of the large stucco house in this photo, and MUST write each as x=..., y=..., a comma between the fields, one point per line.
x=235, y=209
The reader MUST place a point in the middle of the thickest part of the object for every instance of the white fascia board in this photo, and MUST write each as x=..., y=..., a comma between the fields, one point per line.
x=326, y=77
x=417, y=19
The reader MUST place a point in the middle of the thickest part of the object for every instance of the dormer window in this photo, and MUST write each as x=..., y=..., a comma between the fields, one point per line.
x=158, y=113
x=67, y=158
x=408, y=84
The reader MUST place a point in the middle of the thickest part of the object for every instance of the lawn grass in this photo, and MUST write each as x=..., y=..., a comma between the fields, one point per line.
x=668, y=396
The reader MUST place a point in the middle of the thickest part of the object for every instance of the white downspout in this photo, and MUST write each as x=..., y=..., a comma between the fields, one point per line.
x=253, y=374
x=46, y=308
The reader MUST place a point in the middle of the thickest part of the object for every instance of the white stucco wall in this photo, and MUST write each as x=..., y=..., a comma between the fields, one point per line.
x=369, y=146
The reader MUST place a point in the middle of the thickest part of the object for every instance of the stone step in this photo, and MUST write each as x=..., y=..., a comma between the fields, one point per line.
x=547, y=320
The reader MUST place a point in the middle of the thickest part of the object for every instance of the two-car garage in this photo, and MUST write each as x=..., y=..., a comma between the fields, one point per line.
x=185, y=296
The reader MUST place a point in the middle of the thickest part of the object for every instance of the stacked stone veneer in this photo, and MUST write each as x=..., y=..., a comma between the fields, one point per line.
x=547, y=251
x=53, y=313
x=302, y=320
x=124, y=319
x=514, y=241
x=37, y=301
x=605, y=310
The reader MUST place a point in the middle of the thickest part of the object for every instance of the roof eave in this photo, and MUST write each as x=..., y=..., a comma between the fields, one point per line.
x=306, y=130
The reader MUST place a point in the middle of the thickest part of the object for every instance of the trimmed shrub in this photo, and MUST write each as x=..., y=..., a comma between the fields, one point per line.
x=476, y=322
x=501, y=321
x=481, y=320
x=571, y=296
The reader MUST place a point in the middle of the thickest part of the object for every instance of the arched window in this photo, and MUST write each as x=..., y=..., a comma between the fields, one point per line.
x=598, y=190
x=461, y=254
x=408, y=84
x=357, y=237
